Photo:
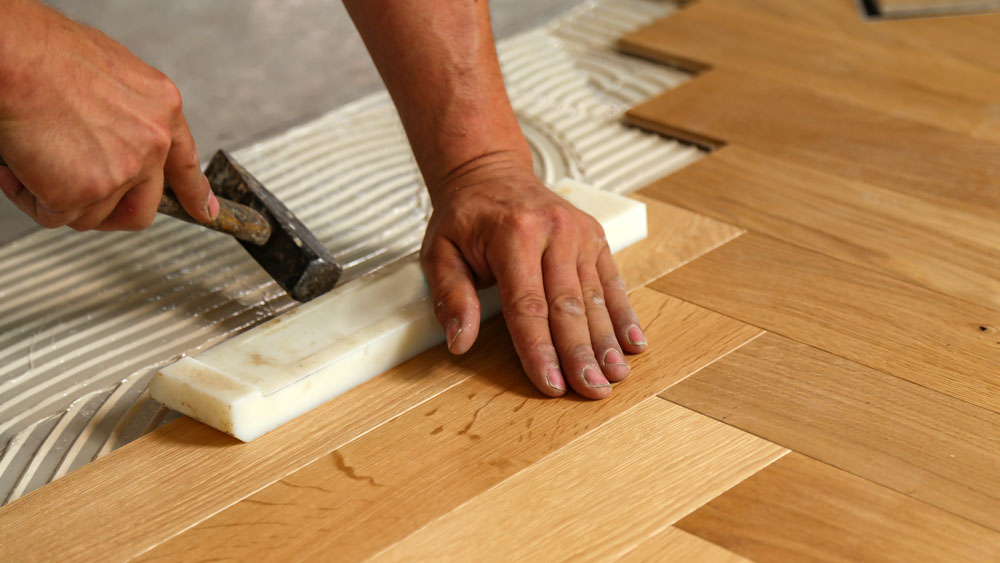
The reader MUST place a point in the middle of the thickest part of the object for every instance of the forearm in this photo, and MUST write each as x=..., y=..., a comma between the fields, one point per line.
x=438, y=60
x=21, y=48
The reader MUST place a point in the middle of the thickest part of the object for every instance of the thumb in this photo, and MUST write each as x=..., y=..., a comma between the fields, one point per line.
x=453, y=291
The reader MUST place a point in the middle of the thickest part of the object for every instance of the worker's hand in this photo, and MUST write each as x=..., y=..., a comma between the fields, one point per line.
x=88, y=130
x=563, y=301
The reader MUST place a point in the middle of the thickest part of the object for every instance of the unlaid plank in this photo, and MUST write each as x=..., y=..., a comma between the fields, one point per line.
x=876, y=320
x=674, y=544
x=918, y=442
x=410, y=471
x=928, y=87
x=799, y=509
x=953, y=252
x=600, y=495
x=150, y=490
x=794, y=124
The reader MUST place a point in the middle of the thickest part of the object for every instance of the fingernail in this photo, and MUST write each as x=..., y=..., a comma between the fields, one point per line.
x=554, y=379
x=612, y=357
x=452, y=332
x=212, y=206
x=635, y=336
x=594, y=378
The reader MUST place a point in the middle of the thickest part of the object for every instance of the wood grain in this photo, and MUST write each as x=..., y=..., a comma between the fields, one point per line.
x=179, y=475
x=633, y=476
x=414, y=469
x=674, y=544
x=924, y=337
x=915, y=441
x=798, y=509
x=935, y=7
x=855, y=143
x=928, y=87
x=950, y=251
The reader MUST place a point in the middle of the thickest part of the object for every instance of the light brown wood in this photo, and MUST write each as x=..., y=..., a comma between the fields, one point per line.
x=185, y=472
x=928, y=87
x=676, y=236
x=918, y=442
x=950, y=251
x=855, y=143
x=798, y=509
x=414, y=469
x=930, y=339
x=674, y=544
x=631, y=477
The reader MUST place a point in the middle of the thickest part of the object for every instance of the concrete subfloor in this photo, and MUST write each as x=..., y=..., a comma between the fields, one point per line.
x=248, y=68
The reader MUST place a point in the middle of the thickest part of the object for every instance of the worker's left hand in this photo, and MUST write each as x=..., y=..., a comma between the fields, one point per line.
x=563, y=300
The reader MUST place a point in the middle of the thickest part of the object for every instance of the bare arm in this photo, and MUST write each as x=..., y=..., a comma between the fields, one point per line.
x=493, y=221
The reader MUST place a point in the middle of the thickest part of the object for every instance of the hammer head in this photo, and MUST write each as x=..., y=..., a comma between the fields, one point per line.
x=292, y=255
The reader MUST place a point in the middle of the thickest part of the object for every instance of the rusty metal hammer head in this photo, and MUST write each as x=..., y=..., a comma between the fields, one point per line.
x=291, y=255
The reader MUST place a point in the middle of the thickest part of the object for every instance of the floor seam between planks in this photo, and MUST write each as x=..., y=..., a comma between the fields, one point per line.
x=655, y=395
x=236, y=501
x=886, y=272
x=834, y=465
x=721, y=492
x=778, y=332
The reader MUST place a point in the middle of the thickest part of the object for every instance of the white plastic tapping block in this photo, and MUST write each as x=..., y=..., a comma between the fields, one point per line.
x=259, y=380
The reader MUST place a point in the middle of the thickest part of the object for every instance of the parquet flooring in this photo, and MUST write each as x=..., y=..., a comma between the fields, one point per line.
x=822, y=298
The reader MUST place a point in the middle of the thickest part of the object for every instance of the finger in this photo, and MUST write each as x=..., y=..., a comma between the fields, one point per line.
x=182, y=170
x=94, y=214
x=453, y=291
x=136, y=209
x=568, y=321
x=602, y=332
x=518, y=272
x=10, y=185
x=625, y=322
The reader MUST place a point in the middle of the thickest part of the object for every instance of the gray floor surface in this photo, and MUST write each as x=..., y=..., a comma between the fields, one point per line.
x=249, y=68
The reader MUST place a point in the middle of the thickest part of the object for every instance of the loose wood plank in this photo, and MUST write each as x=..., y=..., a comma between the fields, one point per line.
x=928, y=87
x=408, y=472
x=935, y=7
x=950, y=251
x=918, y=442
x=836, y=137
x=930, y=339
x=150, y=490
x=600, y=495
x=674, y=544
x=799, y=509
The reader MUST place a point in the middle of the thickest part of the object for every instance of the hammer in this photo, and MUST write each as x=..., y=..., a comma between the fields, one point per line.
x=273, y=236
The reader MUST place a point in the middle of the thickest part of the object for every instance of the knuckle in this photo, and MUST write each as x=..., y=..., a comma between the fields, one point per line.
x=529, y=304
x=561, y=218
x=593, y=297
x=170, y=94
x=567, y=304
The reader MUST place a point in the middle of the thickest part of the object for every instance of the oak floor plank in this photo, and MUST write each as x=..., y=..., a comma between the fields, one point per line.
x=185, y=472
x=908, y=438
x=410, y=471
x=798, y=509
x=876, y=320
x=676, y=236
x=793, y=124
x=927, y=87
x=950, y=251
x=674, y=544
x=631, y=477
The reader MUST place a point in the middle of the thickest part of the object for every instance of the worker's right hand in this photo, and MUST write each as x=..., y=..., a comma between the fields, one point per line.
x=89, y=131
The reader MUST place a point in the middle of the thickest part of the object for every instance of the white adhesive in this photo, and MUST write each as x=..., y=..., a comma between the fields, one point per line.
x=288, y=366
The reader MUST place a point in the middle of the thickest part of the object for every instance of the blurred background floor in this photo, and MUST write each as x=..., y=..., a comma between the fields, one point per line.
x=248, y=68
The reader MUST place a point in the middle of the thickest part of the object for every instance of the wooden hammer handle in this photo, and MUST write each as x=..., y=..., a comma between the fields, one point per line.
x=234, y=219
